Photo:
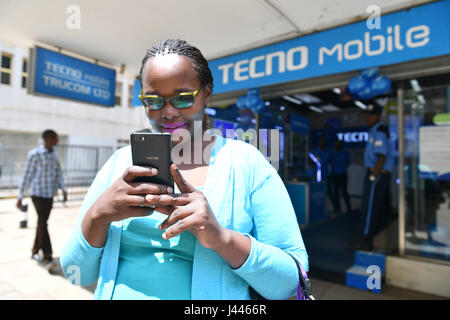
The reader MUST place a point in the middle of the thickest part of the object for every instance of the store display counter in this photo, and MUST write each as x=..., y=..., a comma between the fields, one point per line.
x=308, y=200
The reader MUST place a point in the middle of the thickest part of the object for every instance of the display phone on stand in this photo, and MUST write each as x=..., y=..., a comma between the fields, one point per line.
x=149, y=149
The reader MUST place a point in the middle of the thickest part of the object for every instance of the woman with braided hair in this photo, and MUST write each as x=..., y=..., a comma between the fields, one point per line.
x=228, y=229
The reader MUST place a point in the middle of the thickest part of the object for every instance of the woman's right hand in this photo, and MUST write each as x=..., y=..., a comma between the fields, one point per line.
x=122, y=200
x=125, y=198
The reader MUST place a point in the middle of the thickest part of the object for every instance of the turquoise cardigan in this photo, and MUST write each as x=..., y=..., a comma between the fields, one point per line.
x=246, y=194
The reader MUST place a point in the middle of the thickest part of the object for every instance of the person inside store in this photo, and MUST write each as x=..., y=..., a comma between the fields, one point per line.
x=323, y=154
x=227, y=230
x=379, y=161
x=339, y=161
x=44, y=176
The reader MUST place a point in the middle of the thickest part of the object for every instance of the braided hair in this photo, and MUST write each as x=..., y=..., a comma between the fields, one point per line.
x=182, y=48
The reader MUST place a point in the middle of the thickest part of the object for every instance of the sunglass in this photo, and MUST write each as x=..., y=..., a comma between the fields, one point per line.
x=179, y=101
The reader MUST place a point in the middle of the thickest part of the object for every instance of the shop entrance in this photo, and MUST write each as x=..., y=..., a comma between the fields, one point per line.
x=324, y=175
x=327, y=203
x=331, y=222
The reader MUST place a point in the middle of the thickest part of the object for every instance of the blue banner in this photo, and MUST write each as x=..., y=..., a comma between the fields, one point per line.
x=136, y=92
x=416, y=33
x=59, y=75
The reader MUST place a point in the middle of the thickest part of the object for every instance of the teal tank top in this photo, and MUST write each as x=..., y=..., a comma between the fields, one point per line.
x=151, y=267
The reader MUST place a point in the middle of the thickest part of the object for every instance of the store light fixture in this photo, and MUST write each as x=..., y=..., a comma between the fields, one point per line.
x=308, y=98
x=421, y=99
x=313, y=108
x=296, y=101
x=319, y=166
x=267, y=103
x=415, y=85
x=337, y=91
x=360, y=104
x=330, y=108
x=282, y=108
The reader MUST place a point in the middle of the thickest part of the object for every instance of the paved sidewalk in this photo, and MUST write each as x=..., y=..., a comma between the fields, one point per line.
x=23, y=278
x=20, y=276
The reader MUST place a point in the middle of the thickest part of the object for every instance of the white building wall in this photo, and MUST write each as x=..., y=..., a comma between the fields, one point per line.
x=81, y=123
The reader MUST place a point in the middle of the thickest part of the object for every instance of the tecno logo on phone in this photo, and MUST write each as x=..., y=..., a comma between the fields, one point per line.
x=152, y=158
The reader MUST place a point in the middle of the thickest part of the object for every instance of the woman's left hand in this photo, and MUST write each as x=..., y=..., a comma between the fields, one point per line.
x=188, y=210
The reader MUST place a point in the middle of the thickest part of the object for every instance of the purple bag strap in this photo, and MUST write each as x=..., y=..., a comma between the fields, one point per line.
x=304, y=287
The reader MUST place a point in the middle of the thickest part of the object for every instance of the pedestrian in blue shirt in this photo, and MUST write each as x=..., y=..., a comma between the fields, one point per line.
x=228, y=228
x=340, y=160
x=44, y=176
x=379, y=161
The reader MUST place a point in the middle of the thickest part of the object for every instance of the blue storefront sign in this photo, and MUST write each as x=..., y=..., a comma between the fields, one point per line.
x=355, y=137
x=417, y=33
x=136, y=92
x=59, y=75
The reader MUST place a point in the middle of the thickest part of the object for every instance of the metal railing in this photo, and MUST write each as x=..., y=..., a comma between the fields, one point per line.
x=79, y=165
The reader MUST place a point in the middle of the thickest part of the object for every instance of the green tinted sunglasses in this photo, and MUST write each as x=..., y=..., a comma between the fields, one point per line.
x=179, y=101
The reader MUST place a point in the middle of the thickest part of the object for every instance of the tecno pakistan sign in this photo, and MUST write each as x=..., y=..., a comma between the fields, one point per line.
x=59, y=75
x=417, y=33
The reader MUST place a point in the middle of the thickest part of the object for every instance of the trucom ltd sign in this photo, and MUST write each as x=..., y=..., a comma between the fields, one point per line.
x=417, y=33
x=58, y=75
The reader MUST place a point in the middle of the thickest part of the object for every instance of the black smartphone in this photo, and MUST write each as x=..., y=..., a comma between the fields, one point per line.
x=149, y=149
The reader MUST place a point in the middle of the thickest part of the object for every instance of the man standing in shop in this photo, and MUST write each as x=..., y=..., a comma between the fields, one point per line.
x=339, y=160
x=43, y=174
x=379, y=161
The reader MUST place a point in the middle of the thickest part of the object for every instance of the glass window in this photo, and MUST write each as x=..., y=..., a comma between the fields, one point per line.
x=5, y=78
x=6, y=61
x=24, y=73
x=118, y=95
x=427, y=167
x=5, y=70
x=130, y=95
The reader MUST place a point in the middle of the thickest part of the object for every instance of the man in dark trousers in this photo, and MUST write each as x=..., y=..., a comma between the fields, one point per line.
x=43, y=174
x=379, y=161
